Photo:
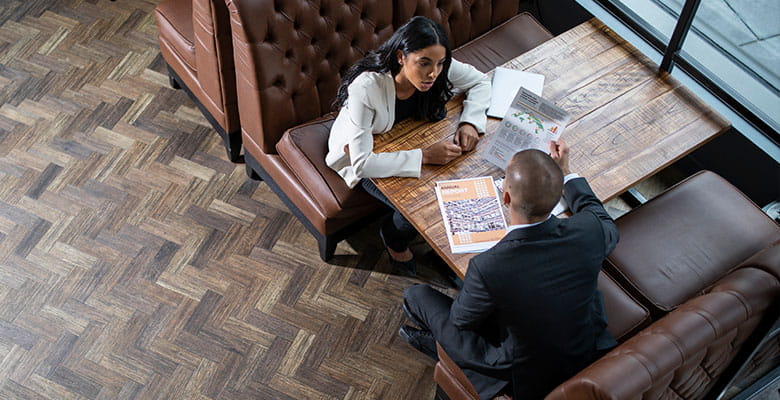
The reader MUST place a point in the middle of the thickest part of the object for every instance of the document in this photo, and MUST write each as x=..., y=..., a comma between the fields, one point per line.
x=506, y=83
x=472, y=213
x=530, y=123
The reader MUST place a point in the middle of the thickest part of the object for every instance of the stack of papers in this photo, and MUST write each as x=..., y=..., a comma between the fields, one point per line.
x=531, y=122
x=506, y=83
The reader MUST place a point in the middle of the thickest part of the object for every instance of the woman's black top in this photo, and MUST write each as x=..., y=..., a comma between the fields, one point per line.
x=405, y=108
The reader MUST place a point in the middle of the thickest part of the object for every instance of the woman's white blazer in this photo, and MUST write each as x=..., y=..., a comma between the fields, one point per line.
x=370, y=110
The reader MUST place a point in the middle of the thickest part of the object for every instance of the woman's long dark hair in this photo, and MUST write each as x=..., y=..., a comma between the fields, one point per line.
x=416, y=34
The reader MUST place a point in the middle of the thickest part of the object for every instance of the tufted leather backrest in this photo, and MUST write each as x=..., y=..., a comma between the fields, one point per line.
x=463, y=20
x=290, y=56
x=684, y=353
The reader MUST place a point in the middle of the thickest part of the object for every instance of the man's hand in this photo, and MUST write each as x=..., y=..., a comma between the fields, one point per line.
x=440, y=153
x=560, y=153
x=466, y=137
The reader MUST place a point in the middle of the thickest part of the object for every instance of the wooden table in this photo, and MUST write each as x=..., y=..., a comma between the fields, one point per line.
x=628, y=122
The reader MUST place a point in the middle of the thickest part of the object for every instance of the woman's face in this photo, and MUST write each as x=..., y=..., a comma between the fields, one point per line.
x=422, y=67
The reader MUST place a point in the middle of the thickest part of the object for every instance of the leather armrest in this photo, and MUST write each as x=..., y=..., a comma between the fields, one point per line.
x=175, y=26
x=214, y=59
x=767, y=260
x=624, y=315
x=451, y=378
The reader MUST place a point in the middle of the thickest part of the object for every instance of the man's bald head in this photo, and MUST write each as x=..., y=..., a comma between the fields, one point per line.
x=534, y=182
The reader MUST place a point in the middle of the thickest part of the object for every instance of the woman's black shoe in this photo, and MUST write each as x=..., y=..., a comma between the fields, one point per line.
x=409, y=267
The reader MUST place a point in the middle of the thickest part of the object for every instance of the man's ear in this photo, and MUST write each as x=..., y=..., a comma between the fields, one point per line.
x=506, y=198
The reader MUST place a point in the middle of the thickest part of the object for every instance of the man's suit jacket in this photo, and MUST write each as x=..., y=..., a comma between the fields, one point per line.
x=534, y=296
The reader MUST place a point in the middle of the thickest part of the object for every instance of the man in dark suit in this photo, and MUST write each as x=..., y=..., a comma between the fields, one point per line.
x=529, y=313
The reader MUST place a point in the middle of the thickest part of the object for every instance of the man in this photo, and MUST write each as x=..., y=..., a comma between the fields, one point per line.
x=529, y=313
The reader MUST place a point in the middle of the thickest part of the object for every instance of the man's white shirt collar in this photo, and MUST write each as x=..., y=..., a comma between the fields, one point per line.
x=510, y=228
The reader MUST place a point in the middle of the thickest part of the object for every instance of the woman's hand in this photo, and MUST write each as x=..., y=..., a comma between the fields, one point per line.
x=440, y=153
x=466, y=137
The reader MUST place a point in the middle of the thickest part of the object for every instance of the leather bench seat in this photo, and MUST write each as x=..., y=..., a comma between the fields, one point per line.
x=303, y=149
x=661, y=260
x=289, y=58
x=504, y=42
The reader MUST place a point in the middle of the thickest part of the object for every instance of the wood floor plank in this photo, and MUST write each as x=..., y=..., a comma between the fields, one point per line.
x=137, y=262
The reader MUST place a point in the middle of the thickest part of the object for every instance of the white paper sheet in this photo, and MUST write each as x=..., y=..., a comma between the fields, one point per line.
x=531, y=122
x=506, y=83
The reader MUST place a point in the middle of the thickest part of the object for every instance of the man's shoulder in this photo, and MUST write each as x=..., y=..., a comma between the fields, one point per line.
x=505, y=248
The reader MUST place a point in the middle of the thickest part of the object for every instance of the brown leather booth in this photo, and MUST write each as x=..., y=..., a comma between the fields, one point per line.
x=696, y=276
x=195, y=41
x=484, y=34
x=290, y=56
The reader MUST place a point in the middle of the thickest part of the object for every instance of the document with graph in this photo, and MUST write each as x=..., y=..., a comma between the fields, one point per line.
x=530, y=123
x=472, y=213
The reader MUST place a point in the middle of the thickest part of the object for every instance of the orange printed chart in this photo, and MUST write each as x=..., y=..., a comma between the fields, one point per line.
x=472, y=213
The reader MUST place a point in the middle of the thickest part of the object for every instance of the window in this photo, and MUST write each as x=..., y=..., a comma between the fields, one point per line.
x=740, y=46
x=657, y=16
x=729, y=47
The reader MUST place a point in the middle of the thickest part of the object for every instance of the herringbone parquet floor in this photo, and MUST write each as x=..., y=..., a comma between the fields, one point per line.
x=136, y=262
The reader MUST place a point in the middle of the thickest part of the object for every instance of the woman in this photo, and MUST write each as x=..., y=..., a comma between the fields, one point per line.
x=411, y=75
